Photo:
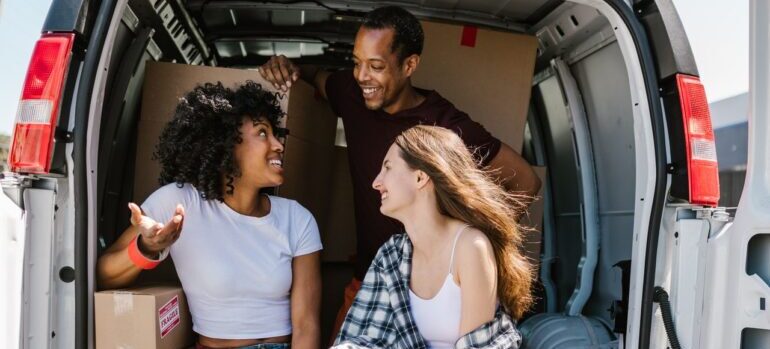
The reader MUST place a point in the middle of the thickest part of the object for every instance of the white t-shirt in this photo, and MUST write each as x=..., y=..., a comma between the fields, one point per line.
x=236, y=269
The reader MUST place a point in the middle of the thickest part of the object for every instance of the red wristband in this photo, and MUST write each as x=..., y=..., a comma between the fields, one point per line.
x=138, y=258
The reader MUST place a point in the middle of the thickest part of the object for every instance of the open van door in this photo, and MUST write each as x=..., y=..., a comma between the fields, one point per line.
x=11, y=250
x=736, y=311
x=35, y=284
x=38, y=271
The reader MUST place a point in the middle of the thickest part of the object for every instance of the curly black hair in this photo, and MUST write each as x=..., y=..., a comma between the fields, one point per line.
x=197, y=145
x=408, y=38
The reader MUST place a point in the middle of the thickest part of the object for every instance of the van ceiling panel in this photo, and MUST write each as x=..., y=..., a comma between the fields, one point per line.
x=323, y=31
x=570, y=31
x=229, y=48
x=515, y=11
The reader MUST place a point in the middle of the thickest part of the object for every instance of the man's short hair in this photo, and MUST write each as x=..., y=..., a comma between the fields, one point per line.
x=408, y=37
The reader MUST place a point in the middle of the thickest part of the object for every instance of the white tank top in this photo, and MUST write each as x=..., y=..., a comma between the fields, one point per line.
x=438, y=318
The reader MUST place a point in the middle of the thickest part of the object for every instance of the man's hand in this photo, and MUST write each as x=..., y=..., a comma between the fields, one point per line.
x=156, y=236
x=280, y=71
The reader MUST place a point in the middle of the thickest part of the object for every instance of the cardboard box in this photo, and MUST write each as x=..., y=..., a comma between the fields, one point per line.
x=151, y=317
x=489, y=78
x=307, y=171
x=339, y=237
x=309, y=116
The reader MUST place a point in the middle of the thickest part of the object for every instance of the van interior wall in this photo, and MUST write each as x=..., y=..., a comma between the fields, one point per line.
x=117, y=139
x=602, y=80
x=560, y=159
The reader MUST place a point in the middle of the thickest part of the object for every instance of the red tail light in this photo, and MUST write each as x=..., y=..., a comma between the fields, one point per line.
x=39, y=105
x=700, y=146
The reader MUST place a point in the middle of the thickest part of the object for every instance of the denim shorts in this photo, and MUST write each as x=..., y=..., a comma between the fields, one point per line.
x=260, y=346
x=267, y=346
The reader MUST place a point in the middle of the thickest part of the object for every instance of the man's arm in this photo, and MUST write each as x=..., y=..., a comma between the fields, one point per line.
x=282, y=72
x=514, y=172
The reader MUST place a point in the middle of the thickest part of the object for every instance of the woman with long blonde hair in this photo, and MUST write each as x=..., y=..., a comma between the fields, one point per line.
x=457, y=277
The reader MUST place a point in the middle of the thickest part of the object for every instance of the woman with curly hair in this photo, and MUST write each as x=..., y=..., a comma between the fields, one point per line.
x=249, y=262
x=457, y=277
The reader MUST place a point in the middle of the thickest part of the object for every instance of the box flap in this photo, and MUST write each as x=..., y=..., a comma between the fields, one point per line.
x=144, y=290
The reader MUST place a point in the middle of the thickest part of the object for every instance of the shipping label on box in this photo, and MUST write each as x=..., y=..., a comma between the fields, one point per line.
x=168, y=316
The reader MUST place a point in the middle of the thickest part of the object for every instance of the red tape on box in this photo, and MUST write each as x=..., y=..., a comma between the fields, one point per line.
x=469, y=36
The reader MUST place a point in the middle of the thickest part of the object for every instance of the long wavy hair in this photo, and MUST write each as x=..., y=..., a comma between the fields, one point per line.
x=466, y=192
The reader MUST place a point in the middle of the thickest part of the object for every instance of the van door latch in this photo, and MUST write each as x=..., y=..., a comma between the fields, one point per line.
x=672, y=168
x=63, y=136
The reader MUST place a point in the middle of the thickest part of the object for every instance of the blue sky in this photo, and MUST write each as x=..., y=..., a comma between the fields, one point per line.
x=20, y=24
x=718, y=32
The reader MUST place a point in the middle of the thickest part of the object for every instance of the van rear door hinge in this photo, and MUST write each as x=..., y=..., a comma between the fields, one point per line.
x=13, y=186
x=716, y=213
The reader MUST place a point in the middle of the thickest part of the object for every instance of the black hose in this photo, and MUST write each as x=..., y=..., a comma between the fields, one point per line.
x=661, y=297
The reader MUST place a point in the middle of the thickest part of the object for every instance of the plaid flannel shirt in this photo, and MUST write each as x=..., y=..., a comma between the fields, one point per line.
x=380, y=316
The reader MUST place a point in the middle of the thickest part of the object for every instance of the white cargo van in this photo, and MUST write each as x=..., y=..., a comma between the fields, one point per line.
x=635, y=253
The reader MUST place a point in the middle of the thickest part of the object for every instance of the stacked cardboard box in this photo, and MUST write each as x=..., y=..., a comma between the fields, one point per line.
x=340, y=232
x=152, y=317
x=309, y=152
x=483, y=72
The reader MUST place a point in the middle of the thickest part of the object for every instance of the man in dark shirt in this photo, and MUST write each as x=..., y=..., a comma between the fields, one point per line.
x=376, y=103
